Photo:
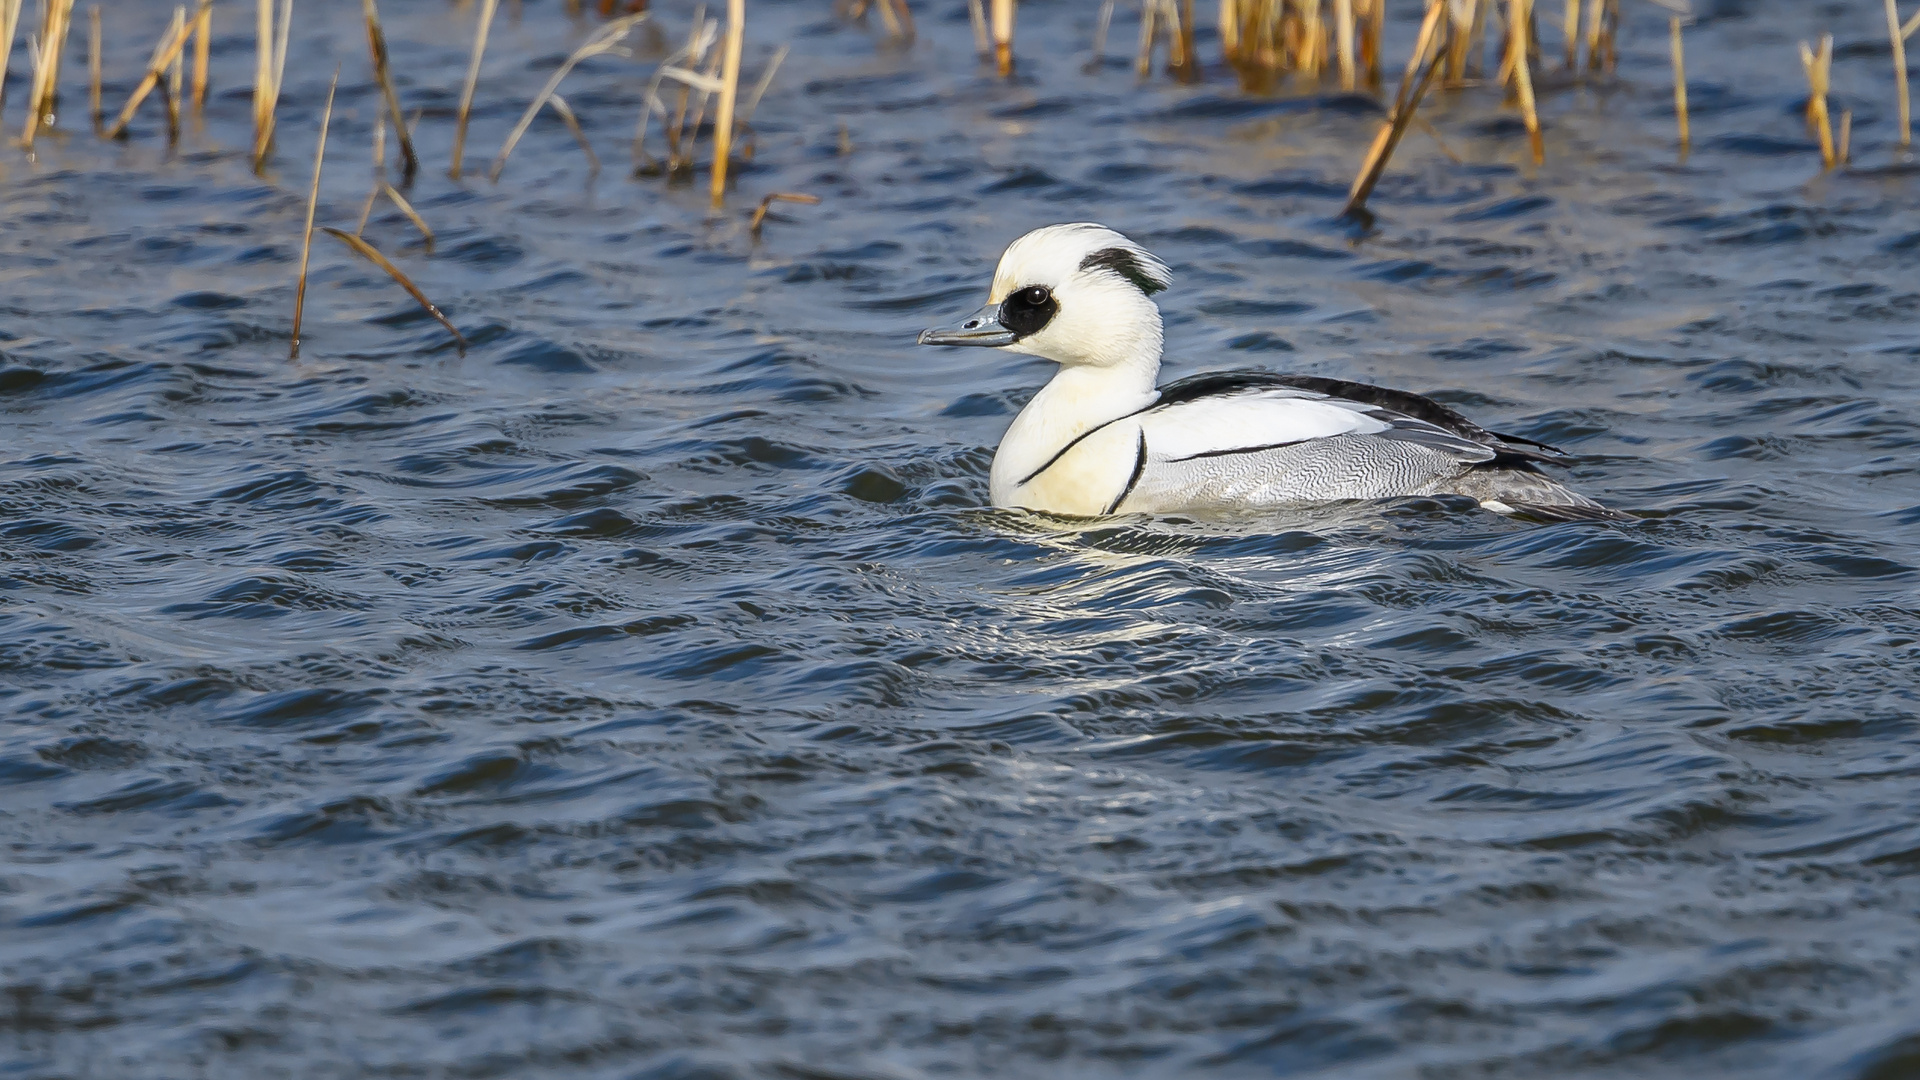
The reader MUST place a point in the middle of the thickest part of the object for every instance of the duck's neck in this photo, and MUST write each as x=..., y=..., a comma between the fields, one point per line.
x=1076, y=400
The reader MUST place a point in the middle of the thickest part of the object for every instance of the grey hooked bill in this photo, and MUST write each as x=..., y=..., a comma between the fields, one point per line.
x=983, y=327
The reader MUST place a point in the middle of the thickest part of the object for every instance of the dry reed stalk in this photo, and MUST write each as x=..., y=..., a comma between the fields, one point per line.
x=1521, y=16
x=699, y=39
x=1609, y=36
x=1596, y=13
x=605, y=40
x=313, y=203
x=1464, y=14
x=760, y=214
x=1371, y=43
x=1845, y=151
x=1229, y=30
x=1143, y=57
x=487, y=8
x=729, y=96
x=372, y=254
x=977, y=15
x=1819, y=67
x=1434, y=134
x=1343, y=38
x=565, y=112
x=1911, y=28
x=164, y=54
x=379, y=171
x=1413, y=86
x=708, y=84
x=202, y=46
x=1899, y=40
x=382, y=74
x=174, y=71
x=1101, y=24
x=56, y=19
x=1571, y=24
x=1003, y=36
x=9, y=26
x=1679, y=85
x=413, y=215
x=270, y=66
x=1189, y=69
x=93, y=67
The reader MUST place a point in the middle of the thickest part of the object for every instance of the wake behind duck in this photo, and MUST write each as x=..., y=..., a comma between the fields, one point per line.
x=1100, y=438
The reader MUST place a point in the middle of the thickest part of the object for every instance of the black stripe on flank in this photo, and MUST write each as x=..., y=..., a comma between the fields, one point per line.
x=1139, y=469
x=1077, y=439
x=1239, y=450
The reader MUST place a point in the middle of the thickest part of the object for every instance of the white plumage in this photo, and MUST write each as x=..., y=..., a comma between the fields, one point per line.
x=1101, y=438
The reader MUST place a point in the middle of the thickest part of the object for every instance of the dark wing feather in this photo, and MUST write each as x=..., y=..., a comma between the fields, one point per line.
x=1509, y=449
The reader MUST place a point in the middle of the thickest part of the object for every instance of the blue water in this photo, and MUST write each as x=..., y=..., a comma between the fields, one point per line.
x=648, y=693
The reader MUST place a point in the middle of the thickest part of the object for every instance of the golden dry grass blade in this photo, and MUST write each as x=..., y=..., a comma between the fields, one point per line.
x=93, y=67
x=707, y=83
x=262, y=76
x=729, y=96
x=372, y=255
x=607, y=39
x=1899, y=40
x=1143, y=56
x=202, y=48
x=163, y=56
x=760, y=214
x=1522, y=16
x=1003, y=36
x=383, y=75
x=1680, y=85
x=1844, y=154
x=1413, y=86
x=1911, y=28
x=1230, y=30
x=473, y=82
x=313, y=203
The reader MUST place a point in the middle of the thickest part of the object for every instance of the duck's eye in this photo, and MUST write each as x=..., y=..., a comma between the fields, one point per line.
x=1027, y=310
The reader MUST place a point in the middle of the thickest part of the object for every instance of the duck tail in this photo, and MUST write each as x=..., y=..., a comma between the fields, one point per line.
x=1526, y=492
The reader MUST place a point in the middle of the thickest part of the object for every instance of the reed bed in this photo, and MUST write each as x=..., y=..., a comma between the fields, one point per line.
x=1265, y=43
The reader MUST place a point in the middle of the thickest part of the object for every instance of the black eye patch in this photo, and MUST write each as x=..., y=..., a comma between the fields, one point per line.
x=1127, y=265
x=1027, y=310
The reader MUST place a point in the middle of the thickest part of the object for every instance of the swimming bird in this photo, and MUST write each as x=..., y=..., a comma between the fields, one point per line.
x=1101, y=438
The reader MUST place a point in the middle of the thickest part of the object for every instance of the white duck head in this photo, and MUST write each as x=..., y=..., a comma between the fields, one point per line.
x=1079, y=295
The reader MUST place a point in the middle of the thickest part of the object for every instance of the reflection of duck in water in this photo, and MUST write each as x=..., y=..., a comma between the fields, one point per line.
x=1100, y=438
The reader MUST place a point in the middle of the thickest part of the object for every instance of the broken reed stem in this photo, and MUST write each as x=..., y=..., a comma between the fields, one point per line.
x=1819, y=66
x=377, y=47
x=372, y=255
x=606, y=39
x=1143, y=57
x=1003, y=36
x=1230, y=30
x=202, y=45
x=1101, y=24
x=1845, y=151
x=729, y=95
x=313, y=202
x=709, y=81
x=164, y=54
x=1899, y=40
x=565, y=111
x=57, y=19
x=760, y=214
x=1413, y=86
x=760, y=88
x=473, y=81
x=977, y=15
x=413, y=215
x=93, y=67
x=1680, y=85
x=1521, y=26
x=1373, y=38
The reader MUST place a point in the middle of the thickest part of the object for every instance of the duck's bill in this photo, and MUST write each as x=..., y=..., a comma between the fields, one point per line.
x=980, y=328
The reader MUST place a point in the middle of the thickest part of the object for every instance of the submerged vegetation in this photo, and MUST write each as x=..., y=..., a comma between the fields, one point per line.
x=1270, y=46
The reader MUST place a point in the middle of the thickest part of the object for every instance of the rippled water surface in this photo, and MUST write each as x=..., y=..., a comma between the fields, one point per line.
x=648, y=693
